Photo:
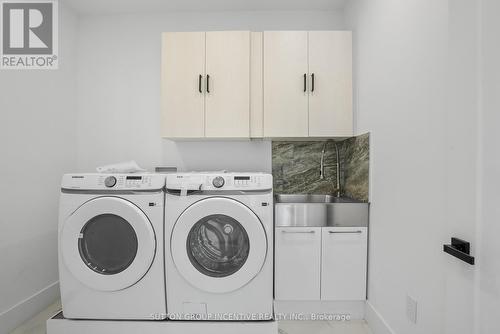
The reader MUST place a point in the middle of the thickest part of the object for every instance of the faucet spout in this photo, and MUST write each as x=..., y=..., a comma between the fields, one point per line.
x=338, y=190
x=322, y=162
x=337, y=154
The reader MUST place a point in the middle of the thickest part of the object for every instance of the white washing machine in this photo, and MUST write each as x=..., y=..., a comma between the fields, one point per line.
x=219, y=246
x=111, y=263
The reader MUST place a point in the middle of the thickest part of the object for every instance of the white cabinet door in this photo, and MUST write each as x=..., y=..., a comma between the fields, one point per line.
x=285, y=91
x=183, y=63
x=330, y=70
x=256, y=86
x=343, y=270
x=227, y=104
x=297, y=263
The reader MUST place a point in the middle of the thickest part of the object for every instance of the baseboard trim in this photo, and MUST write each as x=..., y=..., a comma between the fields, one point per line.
x=59, y=325
x=28, y=308
x=375, y=321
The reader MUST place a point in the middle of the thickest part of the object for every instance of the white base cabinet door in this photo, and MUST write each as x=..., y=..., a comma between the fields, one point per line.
x=297, y=263
x=344, y=263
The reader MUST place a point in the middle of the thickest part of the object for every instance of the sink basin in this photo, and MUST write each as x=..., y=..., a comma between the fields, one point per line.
x=319, y=211
x=308, y=198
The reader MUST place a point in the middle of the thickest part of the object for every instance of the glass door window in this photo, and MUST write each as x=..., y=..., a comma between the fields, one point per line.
x=217, y=245
x=107, y=244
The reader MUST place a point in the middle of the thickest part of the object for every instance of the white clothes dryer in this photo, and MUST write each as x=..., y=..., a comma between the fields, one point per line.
x=111, y=263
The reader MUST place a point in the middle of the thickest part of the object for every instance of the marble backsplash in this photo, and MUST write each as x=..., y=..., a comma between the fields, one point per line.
x=296, y=167
x=356, y=167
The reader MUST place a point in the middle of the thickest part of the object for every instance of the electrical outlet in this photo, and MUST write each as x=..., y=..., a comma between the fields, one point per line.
x=411, y=309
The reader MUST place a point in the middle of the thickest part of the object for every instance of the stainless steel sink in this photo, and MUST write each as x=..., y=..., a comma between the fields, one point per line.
x=308, y=198
x=319, y=210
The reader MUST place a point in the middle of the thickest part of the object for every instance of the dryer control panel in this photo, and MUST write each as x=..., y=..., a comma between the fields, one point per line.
x=143, y=181
x=220, y=181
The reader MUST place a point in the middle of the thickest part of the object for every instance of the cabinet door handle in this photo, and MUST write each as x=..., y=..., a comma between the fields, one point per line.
x=335, y=232
x=208, y=83
x=296, y=232
x=312, y=82
x=305, y=82
x=199, y=83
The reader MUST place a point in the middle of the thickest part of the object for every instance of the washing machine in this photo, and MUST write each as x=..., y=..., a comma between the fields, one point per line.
x=111, y=262
x=219, y=246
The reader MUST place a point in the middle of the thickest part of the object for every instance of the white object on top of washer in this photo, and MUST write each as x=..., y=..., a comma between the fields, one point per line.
x=121, y=167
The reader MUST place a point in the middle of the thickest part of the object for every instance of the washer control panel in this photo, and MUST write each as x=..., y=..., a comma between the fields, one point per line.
x=125, y=181
x=142, y=181
x=219, y=181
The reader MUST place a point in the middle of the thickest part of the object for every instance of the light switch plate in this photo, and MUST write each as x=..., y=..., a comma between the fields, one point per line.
x=411, y=309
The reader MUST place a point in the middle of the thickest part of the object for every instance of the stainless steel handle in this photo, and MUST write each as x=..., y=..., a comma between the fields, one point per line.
x=334, y=232
x=283, y=231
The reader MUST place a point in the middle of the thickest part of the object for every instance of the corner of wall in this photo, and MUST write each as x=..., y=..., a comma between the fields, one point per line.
x=376, y=322
x=28, y=308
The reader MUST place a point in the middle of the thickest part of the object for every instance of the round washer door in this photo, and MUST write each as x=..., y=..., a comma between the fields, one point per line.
x=218, y=245
x=108, y=244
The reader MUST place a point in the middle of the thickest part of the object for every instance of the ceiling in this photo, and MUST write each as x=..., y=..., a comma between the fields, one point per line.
x=134, y=6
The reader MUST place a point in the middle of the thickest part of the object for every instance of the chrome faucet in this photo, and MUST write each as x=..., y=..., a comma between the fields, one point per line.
x=339, y=192
x=322, y=162
x=322, y=167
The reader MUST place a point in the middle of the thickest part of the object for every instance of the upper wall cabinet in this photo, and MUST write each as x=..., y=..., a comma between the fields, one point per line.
x=241, y=84
x=206, y=84
x=307, y=84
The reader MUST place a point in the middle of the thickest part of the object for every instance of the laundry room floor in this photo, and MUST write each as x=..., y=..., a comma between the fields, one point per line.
x=324, y=327
x=36, y=325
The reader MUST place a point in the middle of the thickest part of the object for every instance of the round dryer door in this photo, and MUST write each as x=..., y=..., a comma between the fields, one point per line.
x=108, y=243
x=218, y=245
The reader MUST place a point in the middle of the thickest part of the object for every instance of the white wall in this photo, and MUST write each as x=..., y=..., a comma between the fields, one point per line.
x=489, y=282
x=416, y=93
x=37, y=145
x=461, y=162
x=119, y=88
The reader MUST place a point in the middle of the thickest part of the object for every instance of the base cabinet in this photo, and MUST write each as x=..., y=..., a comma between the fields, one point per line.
x=343, y=263
x=297, y=260
x=320, y=263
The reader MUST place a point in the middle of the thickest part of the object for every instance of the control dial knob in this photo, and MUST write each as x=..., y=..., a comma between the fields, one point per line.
x=110, y=181
x=218, y=182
